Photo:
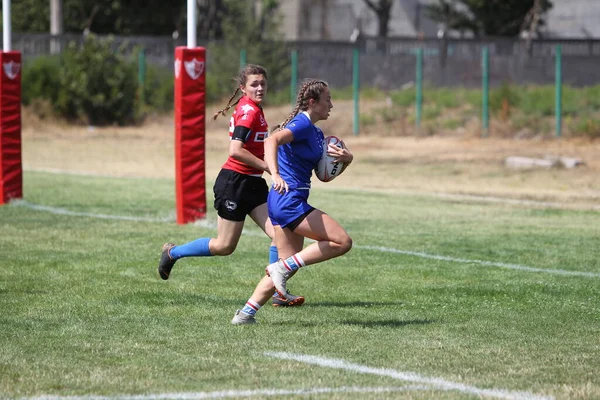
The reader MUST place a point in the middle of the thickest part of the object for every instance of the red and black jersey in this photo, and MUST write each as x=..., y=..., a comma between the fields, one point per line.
x=250, y=115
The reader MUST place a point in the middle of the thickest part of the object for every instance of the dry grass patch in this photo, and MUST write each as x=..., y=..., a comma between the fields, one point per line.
x=445, y=164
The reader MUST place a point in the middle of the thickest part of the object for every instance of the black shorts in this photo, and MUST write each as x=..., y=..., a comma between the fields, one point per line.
x=294, y=224
x=236, y=195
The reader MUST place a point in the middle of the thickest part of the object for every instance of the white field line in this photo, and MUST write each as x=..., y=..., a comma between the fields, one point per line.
x=228, y=394
x=492, y=199
x=331, y=363
x=211, y=225
x=62, y=211
x=436, y=383
x=57, y=171
x=478, y=198
x=481, y=262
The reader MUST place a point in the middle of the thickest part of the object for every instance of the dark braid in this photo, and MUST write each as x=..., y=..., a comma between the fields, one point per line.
x=250, y=69
x=228, y=106
x=311, y=89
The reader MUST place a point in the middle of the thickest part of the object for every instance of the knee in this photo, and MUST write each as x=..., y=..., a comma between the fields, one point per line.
x=345, y=244
x=223, y=249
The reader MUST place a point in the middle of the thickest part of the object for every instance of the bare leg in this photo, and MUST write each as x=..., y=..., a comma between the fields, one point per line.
x=263, y=291
x=265, y=288
x=260, y=216
x=228, y=236
x=331, y=239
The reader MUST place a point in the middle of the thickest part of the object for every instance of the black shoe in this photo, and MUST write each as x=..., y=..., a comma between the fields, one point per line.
x=290, y=301
x=166, y=262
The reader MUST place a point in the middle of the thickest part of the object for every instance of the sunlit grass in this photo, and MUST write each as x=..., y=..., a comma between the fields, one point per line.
x=85, y=313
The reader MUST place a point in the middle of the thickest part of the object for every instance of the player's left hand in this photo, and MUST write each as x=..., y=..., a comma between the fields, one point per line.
x=341, y=154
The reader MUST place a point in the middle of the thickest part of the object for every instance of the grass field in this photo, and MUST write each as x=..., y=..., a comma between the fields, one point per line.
x=439, y=298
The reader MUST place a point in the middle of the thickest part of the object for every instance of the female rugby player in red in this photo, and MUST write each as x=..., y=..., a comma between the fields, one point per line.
x=239, y=189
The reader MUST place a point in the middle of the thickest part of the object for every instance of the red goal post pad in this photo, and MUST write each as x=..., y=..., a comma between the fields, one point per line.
x=11, y=170
x=190, y=174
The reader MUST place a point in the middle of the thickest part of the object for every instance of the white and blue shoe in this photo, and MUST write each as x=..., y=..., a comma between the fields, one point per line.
x=241, y=318
x=279, y=274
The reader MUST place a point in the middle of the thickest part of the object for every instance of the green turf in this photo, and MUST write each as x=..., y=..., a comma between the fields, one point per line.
x=84, y=312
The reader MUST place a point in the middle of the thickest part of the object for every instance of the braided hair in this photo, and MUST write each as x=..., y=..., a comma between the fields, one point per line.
x=311, y=89
x=250, y=69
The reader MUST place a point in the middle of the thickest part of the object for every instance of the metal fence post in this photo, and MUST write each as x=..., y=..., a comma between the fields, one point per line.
x=242, y=58
x=485, y=81
x=294, y=77
x=142, y=74
x=355, y=89
x=558, y=95
x=419, y=86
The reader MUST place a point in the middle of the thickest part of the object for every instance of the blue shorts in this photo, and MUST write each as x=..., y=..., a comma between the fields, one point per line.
x=287, y=208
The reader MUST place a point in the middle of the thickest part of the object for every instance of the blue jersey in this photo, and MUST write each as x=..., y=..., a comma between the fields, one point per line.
x=298, y=158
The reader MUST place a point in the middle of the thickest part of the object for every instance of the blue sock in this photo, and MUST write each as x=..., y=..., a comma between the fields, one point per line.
x=196, y=248
x=251, y=307
x=273, y=255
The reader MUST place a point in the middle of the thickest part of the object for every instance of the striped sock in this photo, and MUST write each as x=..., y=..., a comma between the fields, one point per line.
x=294, y=262
x=251, y=307
x=273, y=257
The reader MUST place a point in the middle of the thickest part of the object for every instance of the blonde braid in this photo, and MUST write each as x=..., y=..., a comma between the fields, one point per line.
x=314, y=88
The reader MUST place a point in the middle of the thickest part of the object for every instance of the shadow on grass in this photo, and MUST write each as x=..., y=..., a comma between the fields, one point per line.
x=387, y=323
x=175, y=299
x=158, y=298
x=364, y=304
x=390, y=323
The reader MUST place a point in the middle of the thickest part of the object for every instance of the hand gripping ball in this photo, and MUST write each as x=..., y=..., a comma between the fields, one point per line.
x=327, y=170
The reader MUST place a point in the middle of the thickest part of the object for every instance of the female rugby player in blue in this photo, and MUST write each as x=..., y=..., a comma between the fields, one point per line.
x=239, y=189
x=291, y=154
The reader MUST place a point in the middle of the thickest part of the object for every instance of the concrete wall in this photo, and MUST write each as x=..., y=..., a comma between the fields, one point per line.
x=302, y=19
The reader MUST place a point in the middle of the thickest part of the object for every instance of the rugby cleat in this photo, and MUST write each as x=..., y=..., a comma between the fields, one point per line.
x=289, y=301
x=166, y=262
x=241, y=318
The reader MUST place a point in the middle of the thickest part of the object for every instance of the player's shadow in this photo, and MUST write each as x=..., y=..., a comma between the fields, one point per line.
x=386, y=323
x=364, y=304
x=151, y=298
x=389, y=323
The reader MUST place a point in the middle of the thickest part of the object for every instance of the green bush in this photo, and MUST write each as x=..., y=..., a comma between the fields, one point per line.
x=98, y=85
x=159, y=89
x=404, y=98
x=39, y=80
x=504, y=93
x=537, y=100
x=587, y=126
x=591, y=96
x=444, y=97
x=279, y=98
x=344, y=93
x=367, y=119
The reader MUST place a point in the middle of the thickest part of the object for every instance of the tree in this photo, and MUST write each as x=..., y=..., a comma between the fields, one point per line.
x=489, y=17
x=383, y=9
x=210, y=18
x=124, y=17
x=31, y=16
x=253, y=26
x=136, y=17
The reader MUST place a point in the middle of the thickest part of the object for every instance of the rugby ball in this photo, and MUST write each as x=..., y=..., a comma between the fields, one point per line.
x=326, y=170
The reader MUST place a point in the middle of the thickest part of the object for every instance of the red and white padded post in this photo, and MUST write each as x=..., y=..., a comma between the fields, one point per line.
x=190, y=174
x=11, y=170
